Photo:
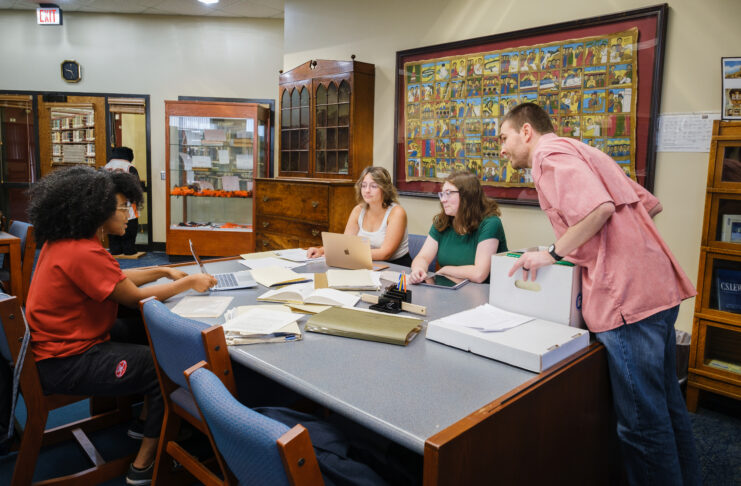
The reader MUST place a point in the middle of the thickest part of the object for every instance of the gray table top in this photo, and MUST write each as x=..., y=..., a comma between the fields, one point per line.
x=405, y=393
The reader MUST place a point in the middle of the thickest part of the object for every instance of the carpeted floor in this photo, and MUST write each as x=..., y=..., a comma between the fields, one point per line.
x=716, y=425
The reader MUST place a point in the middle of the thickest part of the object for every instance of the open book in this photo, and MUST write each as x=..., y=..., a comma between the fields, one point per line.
x=307, y=294
x=364, y=324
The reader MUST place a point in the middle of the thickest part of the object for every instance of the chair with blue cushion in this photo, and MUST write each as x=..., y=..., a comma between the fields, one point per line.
x=178, y=343
x=24, y=231
x=415, y=245
x=257, y=449
x=38, y=405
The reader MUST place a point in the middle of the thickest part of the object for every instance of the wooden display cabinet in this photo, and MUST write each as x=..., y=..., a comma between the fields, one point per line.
x=214, y=151
x=715, y=354
x=326, y=140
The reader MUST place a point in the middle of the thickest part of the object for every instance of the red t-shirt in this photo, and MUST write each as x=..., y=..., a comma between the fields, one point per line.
x=68, y=309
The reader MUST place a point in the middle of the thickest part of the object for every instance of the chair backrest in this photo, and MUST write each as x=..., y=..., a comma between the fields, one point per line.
x=246, y=439
x=415, y=244
x=4, y=348
x=24, y=231
x=177, y=341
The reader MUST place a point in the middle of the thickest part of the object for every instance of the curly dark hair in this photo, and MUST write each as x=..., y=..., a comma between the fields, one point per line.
x=71, y=203
x=129, y=186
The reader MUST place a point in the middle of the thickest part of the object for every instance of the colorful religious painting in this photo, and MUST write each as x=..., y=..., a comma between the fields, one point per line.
x=596, y=79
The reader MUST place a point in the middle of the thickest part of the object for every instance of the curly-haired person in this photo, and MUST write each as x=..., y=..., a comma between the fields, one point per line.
x=74, y=296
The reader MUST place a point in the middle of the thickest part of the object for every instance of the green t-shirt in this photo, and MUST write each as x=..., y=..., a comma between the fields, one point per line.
x=457, y=250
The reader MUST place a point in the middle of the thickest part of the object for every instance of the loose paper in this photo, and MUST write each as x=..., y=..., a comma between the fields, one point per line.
x=230, y=183
x=269, y=262
x=224, y=157
x=487, y=318
x=244, y=161
x=685, y=132
x=202, y=306
x=201, y=161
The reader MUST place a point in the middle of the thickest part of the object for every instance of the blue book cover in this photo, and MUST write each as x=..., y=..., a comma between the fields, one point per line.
x=728, y=288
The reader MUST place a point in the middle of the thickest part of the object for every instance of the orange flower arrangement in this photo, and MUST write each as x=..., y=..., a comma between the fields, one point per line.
x=189, y=191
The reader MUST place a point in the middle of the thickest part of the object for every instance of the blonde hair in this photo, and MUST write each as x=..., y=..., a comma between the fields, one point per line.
x=381, y=177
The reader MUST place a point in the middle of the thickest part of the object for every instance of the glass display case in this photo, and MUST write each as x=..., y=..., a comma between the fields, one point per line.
x=715, y=353
x=214, y=152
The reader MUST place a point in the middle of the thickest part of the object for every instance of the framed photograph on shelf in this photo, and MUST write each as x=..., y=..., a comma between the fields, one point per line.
x=731, y=71
x=598, y=78
x=731, y=228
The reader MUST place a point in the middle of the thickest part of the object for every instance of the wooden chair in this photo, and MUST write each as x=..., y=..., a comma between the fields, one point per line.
x=177, y=343
x=258, y=449
x=38, y=406
x=24, y=231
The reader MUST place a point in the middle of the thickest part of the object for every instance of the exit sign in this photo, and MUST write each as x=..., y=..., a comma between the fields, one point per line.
x=49, y=16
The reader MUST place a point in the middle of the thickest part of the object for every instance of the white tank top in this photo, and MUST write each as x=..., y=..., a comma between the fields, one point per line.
x=376, y=237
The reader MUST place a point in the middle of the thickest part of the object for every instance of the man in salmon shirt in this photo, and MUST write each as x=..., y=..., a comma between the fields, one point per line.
x=631, y=285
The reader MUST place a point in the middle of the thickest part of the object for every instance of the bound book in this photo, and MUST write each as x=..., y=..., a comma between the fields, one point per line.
x=272, y=276
x=351, y=280
x=363, y=324
x=728, y=288
x=307, y=294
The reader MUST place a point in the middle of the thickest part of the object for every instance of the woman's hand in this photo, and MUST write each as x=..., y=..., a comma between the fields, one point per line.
x=175, y=274
x=417, y=275
x=315, y=252
x=201, y=282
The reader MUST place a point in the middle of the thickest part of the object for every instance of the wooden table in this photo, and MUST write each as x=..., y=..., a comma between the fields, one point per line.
x=472, y=419
x=11, y=245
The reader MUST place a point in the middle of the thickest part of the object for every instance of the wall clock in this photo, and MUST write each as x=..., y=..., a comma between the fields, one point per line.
x=71, y=71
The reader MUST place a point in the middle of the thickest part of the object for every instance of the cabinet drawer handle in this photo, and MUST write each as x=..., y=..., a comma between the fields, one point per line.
x=265, y=199
x=265, y=224
x=315, y=232
x=264, y=243
x=314, y=204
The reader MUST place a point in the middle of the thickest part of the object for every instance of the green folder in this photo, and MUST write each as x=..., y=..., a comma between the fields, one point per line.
x=371, y=326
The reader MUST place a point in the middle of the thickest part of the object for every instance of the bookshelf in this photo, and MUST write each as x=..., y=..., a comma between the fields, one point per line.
x=715, y=354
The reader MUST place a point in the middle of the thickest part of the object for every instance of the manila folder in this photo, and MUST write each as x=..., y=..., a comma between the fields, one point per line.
x=360, y=324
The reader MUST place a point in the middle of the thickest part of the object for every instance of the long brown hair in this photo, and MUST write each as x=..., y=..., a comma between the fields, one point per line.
x=474, y=206
x=381, y=177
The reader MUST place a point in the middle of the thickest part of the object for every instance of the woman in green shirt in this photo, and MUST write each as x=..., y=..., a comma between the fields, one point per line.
x=464, y=235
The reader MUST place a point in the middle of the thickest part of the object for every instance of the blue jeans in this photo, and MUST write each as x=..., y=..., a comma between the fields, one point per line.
x=652, y=420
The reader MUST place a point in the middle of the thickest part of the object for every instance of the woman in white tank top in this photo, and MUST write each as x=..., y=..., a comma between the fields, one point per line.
x=377, y=217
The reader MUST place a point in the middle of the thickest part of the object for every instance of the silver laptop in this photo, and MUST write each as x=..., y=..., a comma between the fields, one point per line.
x=348, y=251
x=226, y=281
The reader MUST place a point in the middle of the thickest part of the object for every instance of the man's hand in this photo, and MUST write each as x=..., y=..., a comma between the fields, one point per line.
x=530, y=262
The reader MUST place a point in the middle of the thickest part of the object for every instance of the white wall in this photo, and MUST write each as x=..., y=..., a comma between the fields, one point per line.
x=164, y=57
x=699, y=34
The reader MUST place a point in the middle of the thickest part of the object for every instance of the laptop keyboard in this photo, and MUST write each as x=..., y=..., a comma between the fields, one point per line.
x=225, y=280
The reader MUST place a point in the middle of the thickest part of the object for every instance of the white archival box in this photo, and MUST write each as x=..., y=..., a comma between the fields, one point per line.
x=535, y=345
x=554, y=296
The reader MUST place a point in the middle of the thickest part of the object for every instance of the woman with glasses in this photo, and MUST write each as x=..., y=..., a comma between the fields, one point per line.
x=464, y=235
x=76, y=289
x=378, y=217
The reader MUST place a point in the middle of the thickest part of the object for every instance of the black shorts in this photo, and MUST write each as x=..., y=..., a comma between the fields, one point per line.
x=107, y=369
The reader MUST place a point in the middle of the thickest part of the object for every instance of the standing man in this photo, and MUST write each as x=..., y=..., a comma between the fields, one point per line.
x=124, y=246
x=631, y=287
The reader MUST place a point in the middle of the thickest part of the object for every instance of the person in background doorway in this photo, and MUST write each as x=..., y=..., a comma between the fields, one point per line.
x=121, y=161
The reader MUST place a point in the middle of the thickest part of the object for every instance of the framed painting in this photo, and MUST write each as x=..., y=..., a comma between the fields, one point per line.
x=598, y=78
x=731, y=70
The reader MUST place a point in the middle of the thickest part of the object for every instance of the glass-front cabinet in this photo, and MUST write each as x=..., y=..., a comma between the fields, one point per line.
x=326, y=123
x=214, y=153
x=715, y=353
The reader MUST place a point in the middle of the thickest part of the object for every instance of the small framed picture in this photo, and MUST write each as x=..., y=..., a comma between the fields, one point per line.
x=731, y=228
x=731, y=88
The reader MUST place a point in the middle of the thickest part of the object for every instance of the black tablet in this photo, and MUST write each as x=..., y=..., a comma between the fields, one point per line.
x=444, y=282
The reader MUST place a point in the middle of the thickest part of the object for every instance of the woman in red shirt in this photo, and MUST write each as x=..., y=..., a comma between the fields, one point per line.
x=74, y=296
